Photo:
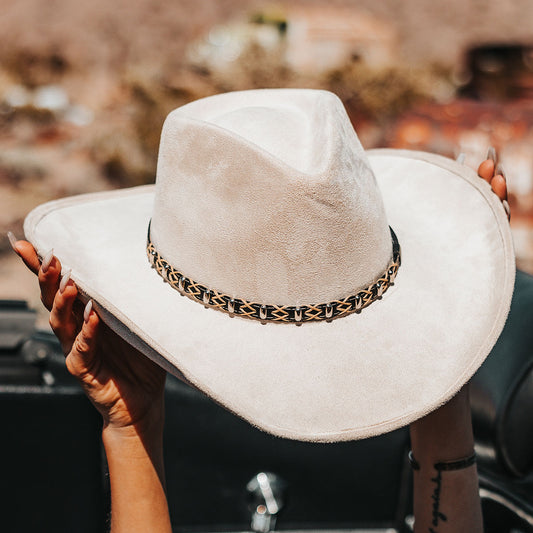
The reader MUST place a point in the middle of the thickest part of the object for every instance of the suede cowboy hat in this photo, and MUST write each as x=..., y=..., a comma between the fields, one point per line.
x=321, y=292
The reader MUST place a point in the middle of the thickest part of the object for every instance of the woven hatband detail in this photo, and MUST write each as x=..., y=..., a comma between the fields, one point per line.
x=276, y=313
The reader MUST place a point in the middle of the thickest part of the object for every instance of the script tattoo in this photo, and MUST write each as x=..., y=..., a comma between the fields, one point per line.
x=436, y=513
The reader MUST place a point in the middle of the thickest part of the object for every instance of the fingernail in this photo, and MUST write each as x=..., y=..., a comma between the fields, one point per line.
x=87, y=312
x=491, y=154
x=64, y=281
x=12, y=240
x=499, y=170
x=507, y=208
x=461, y=158
x=45, y=265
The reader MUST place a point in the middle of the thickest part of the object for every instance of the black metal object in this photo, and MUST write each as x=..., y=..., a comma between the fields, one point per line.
x=210, y=456
x=51, y=464
x=53, y=480
x=502, y=392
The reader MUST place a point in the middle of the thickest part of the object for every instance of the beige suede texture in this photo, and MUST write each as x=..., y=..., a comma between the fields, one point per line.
x=355, y=377
x=289, y=219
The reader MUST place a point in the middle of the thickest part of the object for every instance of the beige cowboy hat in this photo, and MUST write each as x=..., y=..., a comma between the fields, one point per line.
x=330, y=293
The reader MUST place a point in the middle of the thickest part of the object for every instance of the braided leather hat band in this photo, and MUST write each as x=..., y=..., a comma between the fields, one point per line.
x=275, y=313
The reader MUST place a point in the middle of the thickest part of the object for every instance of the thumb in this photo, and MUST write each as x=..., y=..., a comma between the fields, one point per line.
x=82, y=357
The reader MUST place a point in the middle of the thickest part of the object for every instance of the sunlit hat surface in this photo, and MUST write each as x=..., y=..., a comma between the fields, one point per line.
x=319, y=291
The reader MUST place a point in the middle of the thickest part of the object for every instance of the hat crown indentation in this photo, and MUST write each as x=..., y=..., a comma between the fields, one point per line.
x=232, y=211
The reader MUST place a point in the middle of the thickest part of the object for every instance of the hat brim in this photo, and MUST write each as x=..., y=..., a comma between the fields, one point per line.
x=356, y=377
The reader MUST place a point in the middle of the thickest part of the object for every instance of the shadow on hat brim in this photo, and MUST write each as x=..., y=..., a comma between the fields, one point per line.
x=359, y=376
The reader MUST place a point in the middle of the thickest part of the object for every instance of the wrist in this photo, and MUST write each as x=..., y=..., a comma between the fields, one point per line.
x=134, y=447
x=454, y=414
x=446, y=434
x=137, y=478
x=148, y=430
x=140, y=421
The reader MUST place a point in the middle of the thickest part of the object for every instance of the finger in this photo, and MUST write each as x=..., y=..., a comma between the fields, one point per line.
x=499, y=186
x=62, y=319
x=491, y=154
x=27, y=253
x=486, y=170
x=12, y=240
x=81, y=359
x=49, y=278
x=507, y=209
x=78, y=309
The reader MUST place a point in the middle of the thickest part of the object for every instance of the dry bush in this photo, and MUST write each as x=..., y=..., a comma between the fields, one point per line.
x=256, y=68
x=382, y=93
x=35, y=68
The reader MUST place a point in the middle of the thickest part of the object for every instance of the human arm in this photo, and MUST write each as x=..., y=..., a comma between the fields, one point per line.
x=125, y=387
x=445, y=501
x=135, y=463
x=448, y=500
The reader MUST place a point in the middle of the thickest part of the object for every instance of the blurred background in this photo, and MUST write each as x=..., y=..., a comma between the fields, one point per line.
x=85, y=87
x=84, y=90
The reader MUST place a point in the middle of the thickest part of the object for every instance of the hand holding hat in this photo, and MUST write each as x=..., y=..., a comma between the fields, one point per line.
x=125, y=387
x=445, y=435
x=112, y=372
x=266, y=208
x=431, y=437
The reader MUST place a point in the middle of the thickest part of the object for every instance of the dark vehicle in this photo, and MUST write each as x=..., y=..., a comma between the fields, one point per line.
x=223, y=474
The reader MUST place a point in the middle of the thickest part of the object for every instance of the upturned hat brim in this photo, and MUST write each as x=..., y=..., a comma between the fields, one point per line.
x=355, y=377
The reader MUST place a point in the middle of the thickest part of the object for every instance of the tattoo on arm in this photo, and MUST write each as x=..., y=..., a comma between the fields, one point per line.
x=437, y=514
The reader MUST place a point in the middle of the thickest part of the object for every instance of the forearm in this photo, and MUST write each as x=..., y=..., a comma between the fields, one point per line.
x=136, y=473
x=446, y=501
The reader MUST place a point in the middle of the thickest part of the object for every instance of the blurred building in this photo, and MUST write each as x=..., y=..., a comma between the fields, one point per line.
x=495, y=108
x=308, y=40
x=321, y=38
